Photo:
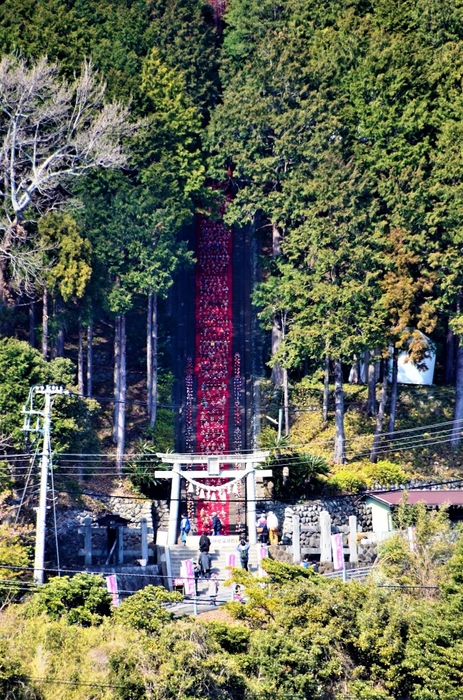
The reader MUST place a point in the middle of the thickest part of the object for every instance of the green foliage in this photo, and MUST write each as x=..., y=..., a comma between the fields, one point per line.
x=281, y=573
x=385, y=473
x=234, y=639
x=302, y=636
x=125, y=677
x=145, y=610
x=421, y=562
x=14, y=683
x=82, y=600
x=112, y=35
x=346, y=481
x=140, y=470
x=183, y=34
x=304, y=469
x=68, y=254
x=15, y=554
x=355, y=477
x=22, y=367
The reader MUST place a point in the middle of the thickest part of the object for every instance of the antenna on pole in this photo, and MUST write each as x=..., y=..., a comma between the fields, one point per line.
x=43, y=427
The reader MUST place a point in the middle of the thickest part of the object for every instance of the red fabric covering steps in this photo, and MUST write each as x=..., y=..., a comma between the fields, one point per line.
x=189, y=431
x=213, y=366
x=237, y=417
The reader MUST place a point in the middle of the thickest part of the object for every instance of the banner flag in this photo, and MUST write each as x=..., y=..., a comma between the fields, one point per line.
x=188, y=575
x=111, y=585
x=338, y=554
x=262, y=553
x=231, y=561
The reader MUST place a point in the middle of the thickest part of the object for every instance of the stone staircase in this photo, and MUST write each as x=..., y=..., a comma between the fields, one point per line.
x=221, y=547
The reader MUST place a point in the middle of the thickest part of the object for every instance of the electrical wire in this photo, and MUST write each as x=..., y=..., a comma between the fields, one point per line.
x=55, y=522
x=233, y=456
x=246, y=452
x=28, y=477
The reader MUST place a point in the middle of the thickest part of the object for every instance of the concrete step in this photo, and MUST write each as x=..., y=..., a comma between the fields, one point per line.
x=219, y=558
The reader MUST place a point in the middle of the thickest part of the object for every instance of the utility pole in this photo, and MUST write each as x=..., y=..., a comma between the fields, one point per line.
x=43, y=427
x=42, y=509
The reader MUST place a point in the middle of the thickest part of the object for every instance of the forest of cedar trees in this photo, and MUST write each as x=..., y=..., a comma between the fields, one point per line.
x=336, y=130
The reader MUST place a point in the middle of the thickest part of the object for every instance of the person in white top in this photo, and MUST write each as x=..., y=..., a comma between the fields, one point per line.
x=272, y=525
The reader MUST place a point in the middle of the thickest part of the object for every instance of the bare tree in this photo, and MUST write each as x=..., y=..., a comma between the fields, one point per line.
x=51, y=131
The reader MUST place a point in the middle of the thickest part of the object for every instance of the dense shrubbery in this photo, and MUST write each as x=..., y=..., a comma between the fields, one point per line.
x=82, y=599
x=298, y=635
x=22, y=367
x=146, y=610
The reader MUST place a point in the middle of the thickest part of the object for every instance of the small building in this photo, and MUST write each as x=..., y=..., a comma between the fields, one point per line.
x=383, y=504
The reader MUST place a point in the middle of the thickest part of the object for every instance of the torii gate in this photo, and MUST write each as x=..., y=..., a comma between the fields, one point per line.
x=214, y=471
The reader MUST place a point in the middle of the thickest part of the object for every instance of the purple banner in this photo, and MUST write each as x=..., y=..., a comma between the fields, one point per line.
x=188, y=575
x=111, y=585
x=338, y=554
x=231, y=561
x=262, y=553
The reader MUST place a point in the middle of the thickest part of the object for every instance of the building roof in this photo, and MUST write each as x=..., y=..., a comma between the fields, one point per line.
x=452, y=497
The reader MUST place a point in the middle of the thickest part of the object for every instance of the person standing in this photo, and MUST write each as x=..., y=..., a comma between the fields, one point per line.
x=213, y=589
x=197, y=575
x=243, y=549
x=205, y=564
x=262, y=529
x=216, y=525
x=185, y=528
x=272, y=524
x=204, y=542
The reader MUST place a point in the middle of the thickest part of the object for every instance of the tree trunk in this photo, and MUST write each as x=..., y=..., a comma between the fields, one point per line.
x=120, y=436
x=458, y=410
x=326, y=388
x=90, y=360
x=450, y=357
x=286, y=400
x=152, y=354
x=59, y=343
x=32, y=324
x=339, y=456
x=117, y=373
x=45, y=325
x=372, y=404
x=393, y=402
x=149, y=352
x=80, y=360
x=381, y=412
x=277, y=369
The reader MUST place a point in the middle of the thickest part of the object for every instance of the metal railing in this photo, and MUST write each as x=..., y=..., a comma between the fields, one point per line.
x=351, y=574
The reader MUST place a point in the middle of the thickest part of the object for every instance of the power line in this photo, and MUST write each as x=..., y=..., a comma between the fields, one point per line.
x=233, y=455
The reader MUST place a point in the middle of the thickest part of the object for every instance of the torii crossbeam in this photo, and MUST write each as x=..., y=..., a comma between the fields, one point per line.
x=214, y=471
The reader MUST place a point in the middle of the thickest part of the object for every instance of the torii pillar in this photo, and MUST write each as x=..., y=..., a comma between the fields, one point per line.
x=214, y=471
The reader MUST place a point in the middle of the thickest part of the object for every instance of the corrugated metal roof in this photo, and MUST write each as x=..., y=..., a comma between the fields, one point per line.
x=453, y=497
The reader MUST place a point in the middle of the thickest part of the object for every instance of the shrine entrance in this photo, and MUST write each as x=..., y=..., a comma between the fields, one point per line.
x=212, y=480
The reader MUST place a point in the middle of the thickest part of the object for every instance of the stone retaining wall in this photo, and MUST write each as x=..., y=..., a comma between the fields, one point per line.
x=70, y=541
x=309, y=516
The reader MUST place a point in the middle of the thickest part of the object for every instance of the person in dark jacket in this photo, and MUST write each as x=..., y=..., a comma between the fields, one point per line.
x=243, y=549
x=204, y=543
x=205, y=564
x=216, y=524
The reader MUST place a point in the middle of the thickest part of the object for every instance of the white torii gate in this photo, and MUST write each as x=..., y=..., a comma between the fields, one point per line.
x=214, y=471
